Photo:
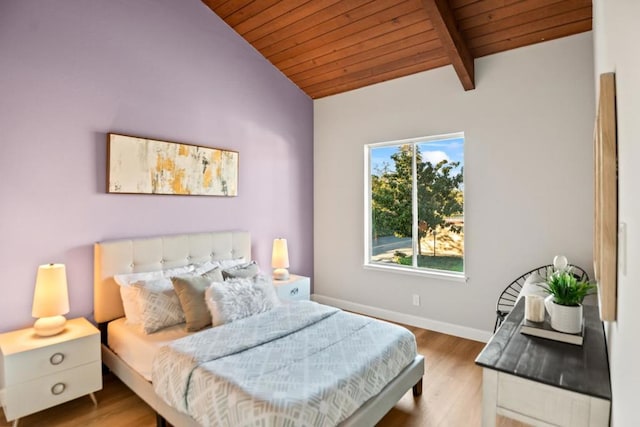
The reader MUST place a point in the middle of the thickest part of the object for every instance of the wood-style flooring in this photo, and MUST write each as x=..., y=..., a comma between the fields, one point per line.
x=452, y=395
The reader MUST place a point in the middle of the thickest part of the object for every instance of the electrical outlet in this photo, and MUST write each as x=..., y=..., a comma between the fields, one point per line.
x=416, y=299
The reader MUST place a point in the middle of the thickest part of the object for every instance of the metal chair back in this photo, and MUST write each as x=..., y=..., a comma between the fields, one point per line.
x=509, y=296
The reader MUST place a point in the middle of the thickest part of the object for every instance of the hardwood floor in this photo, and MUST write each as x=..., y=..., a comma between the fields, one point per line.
x=452, y=394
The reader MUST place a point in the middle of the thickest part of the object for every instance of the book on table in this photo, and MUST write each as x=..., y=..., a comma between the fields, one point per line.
x=544, y=330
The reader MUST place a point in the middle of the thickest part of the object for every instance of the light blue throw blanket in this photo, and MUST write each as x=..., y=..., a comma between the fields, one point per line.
x=300, y=364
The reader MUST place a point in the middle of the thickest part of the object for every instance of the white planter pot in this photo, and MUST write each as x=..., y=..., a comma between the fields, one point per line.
x=564, y=318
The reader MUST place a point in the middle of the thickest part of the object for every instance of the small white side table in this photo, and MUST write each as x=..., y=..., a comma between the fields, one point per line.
x=40, y=372
x=295, y=288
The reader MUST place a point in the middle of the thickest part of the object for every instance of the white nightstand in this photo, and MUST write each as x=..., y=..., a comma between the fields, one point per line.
x=39, y=372
x=294, y=288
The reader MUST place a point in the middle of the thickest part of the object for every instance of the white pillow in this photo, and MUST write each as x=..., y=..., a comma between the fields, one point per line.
x=200, y=269
x=130, y=298
x=228, y=263
x=238, y=298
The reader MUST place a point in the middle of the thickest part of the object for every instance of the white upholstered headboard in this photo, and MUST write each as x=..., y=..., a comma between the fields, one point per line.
x=156, y=253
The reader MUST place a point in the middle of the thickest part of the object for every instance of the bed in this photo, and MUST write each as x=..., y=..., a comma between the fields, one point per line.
x=129, y=357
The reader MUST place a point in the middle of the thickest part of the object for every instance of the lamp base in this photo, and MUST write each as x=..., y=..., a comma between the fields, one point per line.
x=280, y=274
x=47, y=326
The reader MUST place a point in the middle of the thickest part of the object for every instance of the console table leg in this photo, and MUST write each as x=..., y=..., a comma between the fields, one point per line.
x=93, y=399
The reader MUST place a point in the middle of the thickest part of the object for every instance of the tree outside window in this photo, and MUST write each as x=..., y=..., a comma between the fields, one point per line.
x=415, y=203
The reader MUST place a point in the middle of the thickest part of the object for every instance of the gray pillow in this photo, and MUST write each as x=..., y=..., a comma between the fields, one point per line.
x=190, y=291
x=242, y=271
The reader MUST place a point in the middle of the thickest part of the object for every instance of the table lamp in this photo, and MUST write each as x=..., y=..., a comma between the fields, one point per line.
x=280, y=259
x=50, y=300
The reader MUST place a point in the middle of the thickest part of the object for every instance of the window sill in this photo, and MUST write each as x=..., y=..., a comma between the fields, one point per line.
x=454, y=277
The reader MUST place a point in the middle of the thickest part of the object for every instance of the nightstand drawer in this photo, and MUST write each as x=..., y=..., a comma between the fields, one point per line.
x=44, y=392
x=296, y=288
x=28, y=365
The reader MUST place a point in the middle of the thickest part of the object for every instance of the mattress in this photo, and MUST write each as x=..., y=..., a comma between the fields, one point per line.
x=299, y=364
x=138, y=349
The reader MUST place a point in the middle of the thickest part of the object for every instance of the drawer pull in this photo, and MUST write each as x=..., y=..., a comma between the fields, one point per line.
x=58, y=388
x=56, y=359
x=293, y=291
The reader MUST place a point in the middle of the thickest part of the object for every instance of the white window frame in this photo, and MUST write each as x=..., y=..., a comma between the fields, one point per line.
x=368, y=248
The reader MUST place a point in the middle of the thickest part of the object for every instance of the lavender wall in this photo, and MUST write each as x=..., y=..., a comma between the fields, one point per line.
x=73, y=70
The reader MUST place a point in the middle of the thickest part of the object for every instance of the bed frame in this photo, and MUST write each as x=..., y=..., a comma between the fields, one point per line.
x=163, y=252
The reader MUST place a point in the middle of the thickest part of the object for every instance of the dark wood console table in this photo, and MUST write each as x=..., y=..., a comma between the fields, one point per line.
x=544, y=382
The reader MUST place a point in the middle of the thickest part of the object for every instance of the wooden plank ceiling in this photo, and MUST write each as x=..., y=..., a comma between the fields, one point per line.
x=332, y=46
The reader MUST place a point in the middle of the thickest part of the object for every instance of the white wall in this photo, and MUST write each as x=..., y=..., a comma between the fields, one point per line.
x=616, y=33
x=528, y=179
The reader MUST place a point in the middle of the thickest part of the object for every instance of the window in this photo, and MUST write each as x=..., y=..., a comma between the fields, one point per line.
x=414, y=198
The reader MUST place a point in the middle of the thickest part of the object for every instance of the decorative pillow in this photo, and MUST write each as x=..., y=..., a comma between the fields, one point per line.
x=158, y=304
x=205, y=267
x=214, y=275
x=228, y=263
x=239, y=298
x=130, y=297
x=190, y=291
x=222, y=263
x=241, y=271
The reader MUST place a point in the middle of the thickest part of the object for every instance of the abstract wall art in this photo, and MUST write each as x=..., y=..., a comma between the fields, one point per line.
x=148, y=166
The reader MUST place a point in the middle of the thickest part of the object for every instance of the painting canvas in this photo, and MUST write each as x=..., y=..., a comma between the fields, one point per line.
x=148, y=166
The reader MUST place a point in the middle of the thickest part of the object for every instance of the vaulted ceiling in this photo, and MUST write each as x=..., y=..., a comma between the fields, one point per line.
x=332, y=46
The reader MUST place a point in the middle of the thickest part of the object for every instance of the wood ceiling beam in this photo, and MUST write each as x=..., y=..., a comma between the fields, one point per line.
x=444, y=23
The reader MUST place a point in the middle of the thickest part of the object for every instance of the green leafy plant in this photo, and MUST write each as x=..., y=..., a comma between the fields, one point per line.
x=566, y=289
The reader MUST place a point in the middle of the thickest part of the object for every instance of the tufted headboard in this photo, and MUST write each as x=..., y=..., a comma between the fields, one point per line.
x=156, y=253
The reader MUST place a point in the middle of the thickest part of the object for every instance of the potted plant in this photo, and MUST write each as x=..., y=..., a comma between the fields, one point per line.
x=564, y=302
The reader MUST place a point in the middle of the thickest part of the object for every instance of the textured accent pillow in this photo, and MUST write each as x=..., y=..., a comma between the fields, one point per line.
x=190, y=291
x=130, y=296
x=241, y=271
x=236, y=299
x=158, y=303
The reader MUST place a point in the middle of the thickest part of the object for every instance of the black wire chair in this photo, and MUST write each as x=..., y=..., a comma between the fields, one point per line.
x=509, y=296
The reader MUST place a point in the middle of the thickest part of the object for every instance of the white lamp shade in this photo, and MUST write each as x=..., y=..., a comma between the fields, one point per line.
x=50, y=297
x=280, y=254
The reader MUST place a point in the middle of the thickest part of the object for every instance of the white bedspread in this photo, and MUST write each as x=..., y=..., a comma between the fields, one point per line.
x=138, y=349
x=300, y=364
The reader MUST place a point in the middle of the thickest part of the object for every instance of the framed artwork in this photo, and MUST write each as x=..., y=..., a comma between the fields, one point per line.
x=605, y=236
x=148, y=166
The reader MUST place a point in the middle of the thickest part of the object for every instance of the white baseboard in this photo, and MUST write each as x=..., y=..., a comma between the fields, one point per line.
x=407, y=319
